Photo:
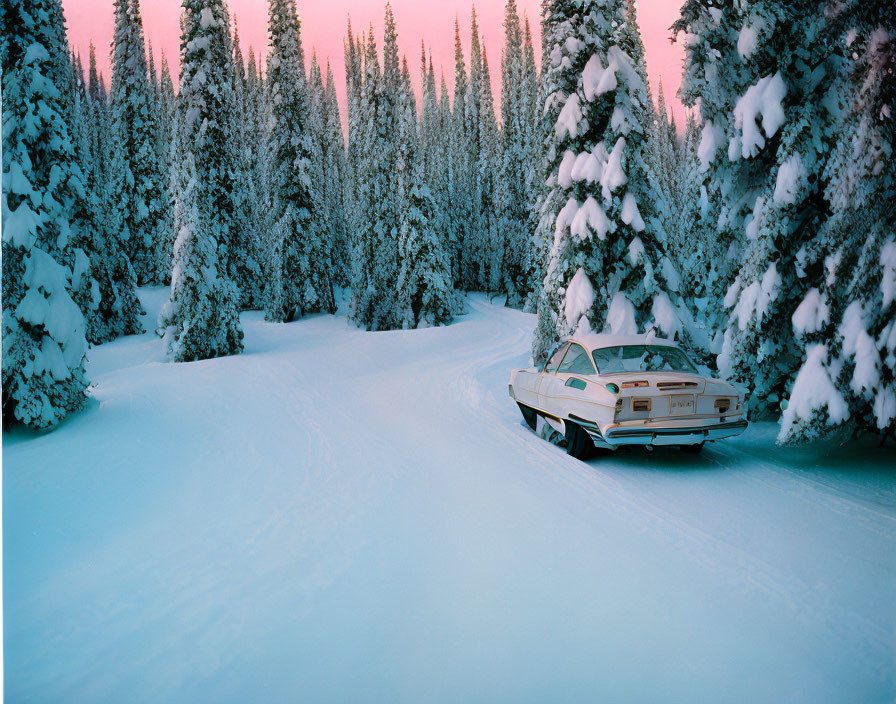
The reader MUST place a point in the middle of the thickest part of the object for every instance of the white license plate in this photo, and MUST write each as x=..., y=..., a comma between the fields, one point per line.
x=681, y=405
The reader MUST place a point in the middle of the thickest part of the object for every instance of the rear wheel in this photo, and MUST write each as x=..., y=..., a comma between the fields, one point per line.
x=528, y=415
x=578, y=442
x=693, y=449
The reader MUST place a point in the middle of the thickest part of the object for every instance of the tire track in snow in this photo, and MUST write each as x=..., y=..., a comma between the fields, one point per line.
x=605, y=478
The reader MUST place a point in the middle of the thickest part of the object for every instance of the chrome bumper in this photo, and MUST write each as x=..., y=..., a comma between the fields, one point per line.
x=673, y=436
x=616, y=436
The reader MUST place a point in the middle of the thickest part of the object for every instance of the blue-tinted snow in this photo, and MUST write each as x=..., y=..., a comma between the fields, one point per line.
x=346, y=516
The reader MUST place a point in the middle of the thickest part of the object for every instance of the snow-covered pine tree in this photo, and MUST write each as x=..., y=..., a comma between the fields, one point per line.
x=260, y=153
x=245, y=265
x=429, y=116
x=424, y=291
x=607, y=270
x=98, y=298
x=315, y=94
x=846, y=317
x=118, y=308
x=328, y=158
x=365, y=199
x=354, y=79
x=671, y=179
x=434, y=148
x=545, y=195
x=515, y=194
x=334, y=177
x=154, y=85
x=299, y=280
x=440, y=187
x=714, y=77
x=375, y=258
x=137, y=186
x=688, y=238
x=459, y=182
x=475, y=254
x=487, y=172
x=784, y=127
x=662, y=158
x=201, y=318
x=530, y=111
x=43, y=329
x=167, y=107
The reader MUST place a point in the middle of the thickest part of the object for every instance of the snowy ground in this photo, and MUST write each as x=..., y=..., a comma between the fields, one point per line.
x=345, y=516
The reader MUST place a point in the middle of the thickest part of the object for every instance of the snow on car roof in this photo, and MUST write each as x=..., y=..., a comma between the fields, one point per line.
x=596, y=341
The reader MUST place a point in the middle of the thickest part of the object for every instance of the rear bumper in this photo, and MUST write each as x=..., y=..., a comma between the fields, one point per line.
x=691, y=435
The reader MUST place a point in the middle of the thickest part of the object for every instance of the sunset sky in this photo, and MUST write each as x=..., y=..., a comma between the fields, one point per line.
x=324, y=29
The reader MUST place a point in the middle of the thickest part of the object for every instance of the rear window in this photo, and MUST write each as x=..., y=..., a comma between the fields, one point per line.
x=641, y=358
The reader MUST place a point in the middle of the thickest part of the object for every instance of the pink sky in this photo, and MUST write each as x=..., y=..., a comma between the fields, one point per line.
x=324, y=26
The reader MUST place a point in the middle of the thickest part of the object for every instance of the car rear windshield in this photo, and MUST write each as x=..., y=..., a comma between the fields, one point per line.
x=641, y=358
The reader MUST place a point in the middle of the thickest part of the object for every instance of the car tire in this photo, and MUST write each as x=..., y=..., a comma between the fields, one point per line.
x=693, y=449
x=530, y=416
x=578, y=442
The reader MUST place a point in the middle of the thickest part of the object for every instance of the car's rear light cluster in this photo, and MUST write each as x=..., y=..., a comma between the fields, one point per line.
x=634, y=384
x=723, y=404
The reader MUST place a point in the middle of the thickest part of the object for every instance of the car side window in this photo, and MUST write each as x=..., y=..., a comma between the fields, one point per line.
x=551, y=366
x=576, y=361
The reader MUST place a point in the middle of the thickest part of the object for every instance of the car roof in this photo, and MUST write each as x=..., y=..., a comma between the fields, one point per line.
x=596, y=341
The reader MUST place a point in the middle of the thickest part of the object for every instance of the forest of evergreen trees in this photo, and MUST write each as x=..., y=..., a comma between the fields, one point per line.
x=763, y=235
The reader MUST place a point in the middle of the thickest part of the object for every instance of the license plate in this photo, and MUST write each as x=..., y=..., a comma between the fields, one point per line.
x=681, y=405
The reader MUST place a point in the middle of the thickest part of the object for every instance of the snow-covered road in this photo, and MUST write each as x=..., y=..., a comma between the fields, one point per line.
x=337, y=515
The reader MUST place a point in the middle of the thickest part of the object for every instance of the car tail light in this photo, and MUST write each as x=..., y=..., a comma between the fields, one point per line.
x=639, y=405
x=634, y=384
x=723, y=404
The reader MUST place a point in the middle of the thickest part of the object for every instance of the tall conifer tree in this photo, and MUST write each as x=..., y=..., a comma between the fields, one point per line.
x=607, y=269
x=299, y=278
x=43, y=329
x=201, y=318
x=137, y=188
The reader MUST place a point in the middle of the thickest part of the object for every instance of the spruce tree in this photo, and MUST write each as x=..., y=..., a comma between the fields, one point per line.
x=137, y=186
x=43, y=329
x=424, y=291
x=490, y=246
x=299, y=279
x=474, y=254
x=715, y=75
x=847, y=267
x=784, y=127
x=334, y=175
x=607, y=269
x=459, y=186
x=201, y=318
x=246, y=263
x=441, y=187
x=434, y=149
x=544, y=207
x=515, y=194
x=354, y=148
x=123, y=301
x=375, y=258
x=167, y=110
x=109, y=309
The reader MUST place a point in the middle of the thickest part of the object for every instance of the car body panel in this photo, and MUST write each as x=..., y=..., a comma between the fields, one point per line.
x=647, y=408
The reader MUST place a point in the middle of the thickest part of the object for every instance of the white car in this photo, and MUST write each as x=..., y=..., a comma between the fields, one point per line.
x=611, y=390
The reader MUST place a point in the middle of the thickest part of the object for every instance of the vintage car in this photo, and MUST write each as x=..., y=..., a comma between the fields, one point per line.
x=604, y=391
